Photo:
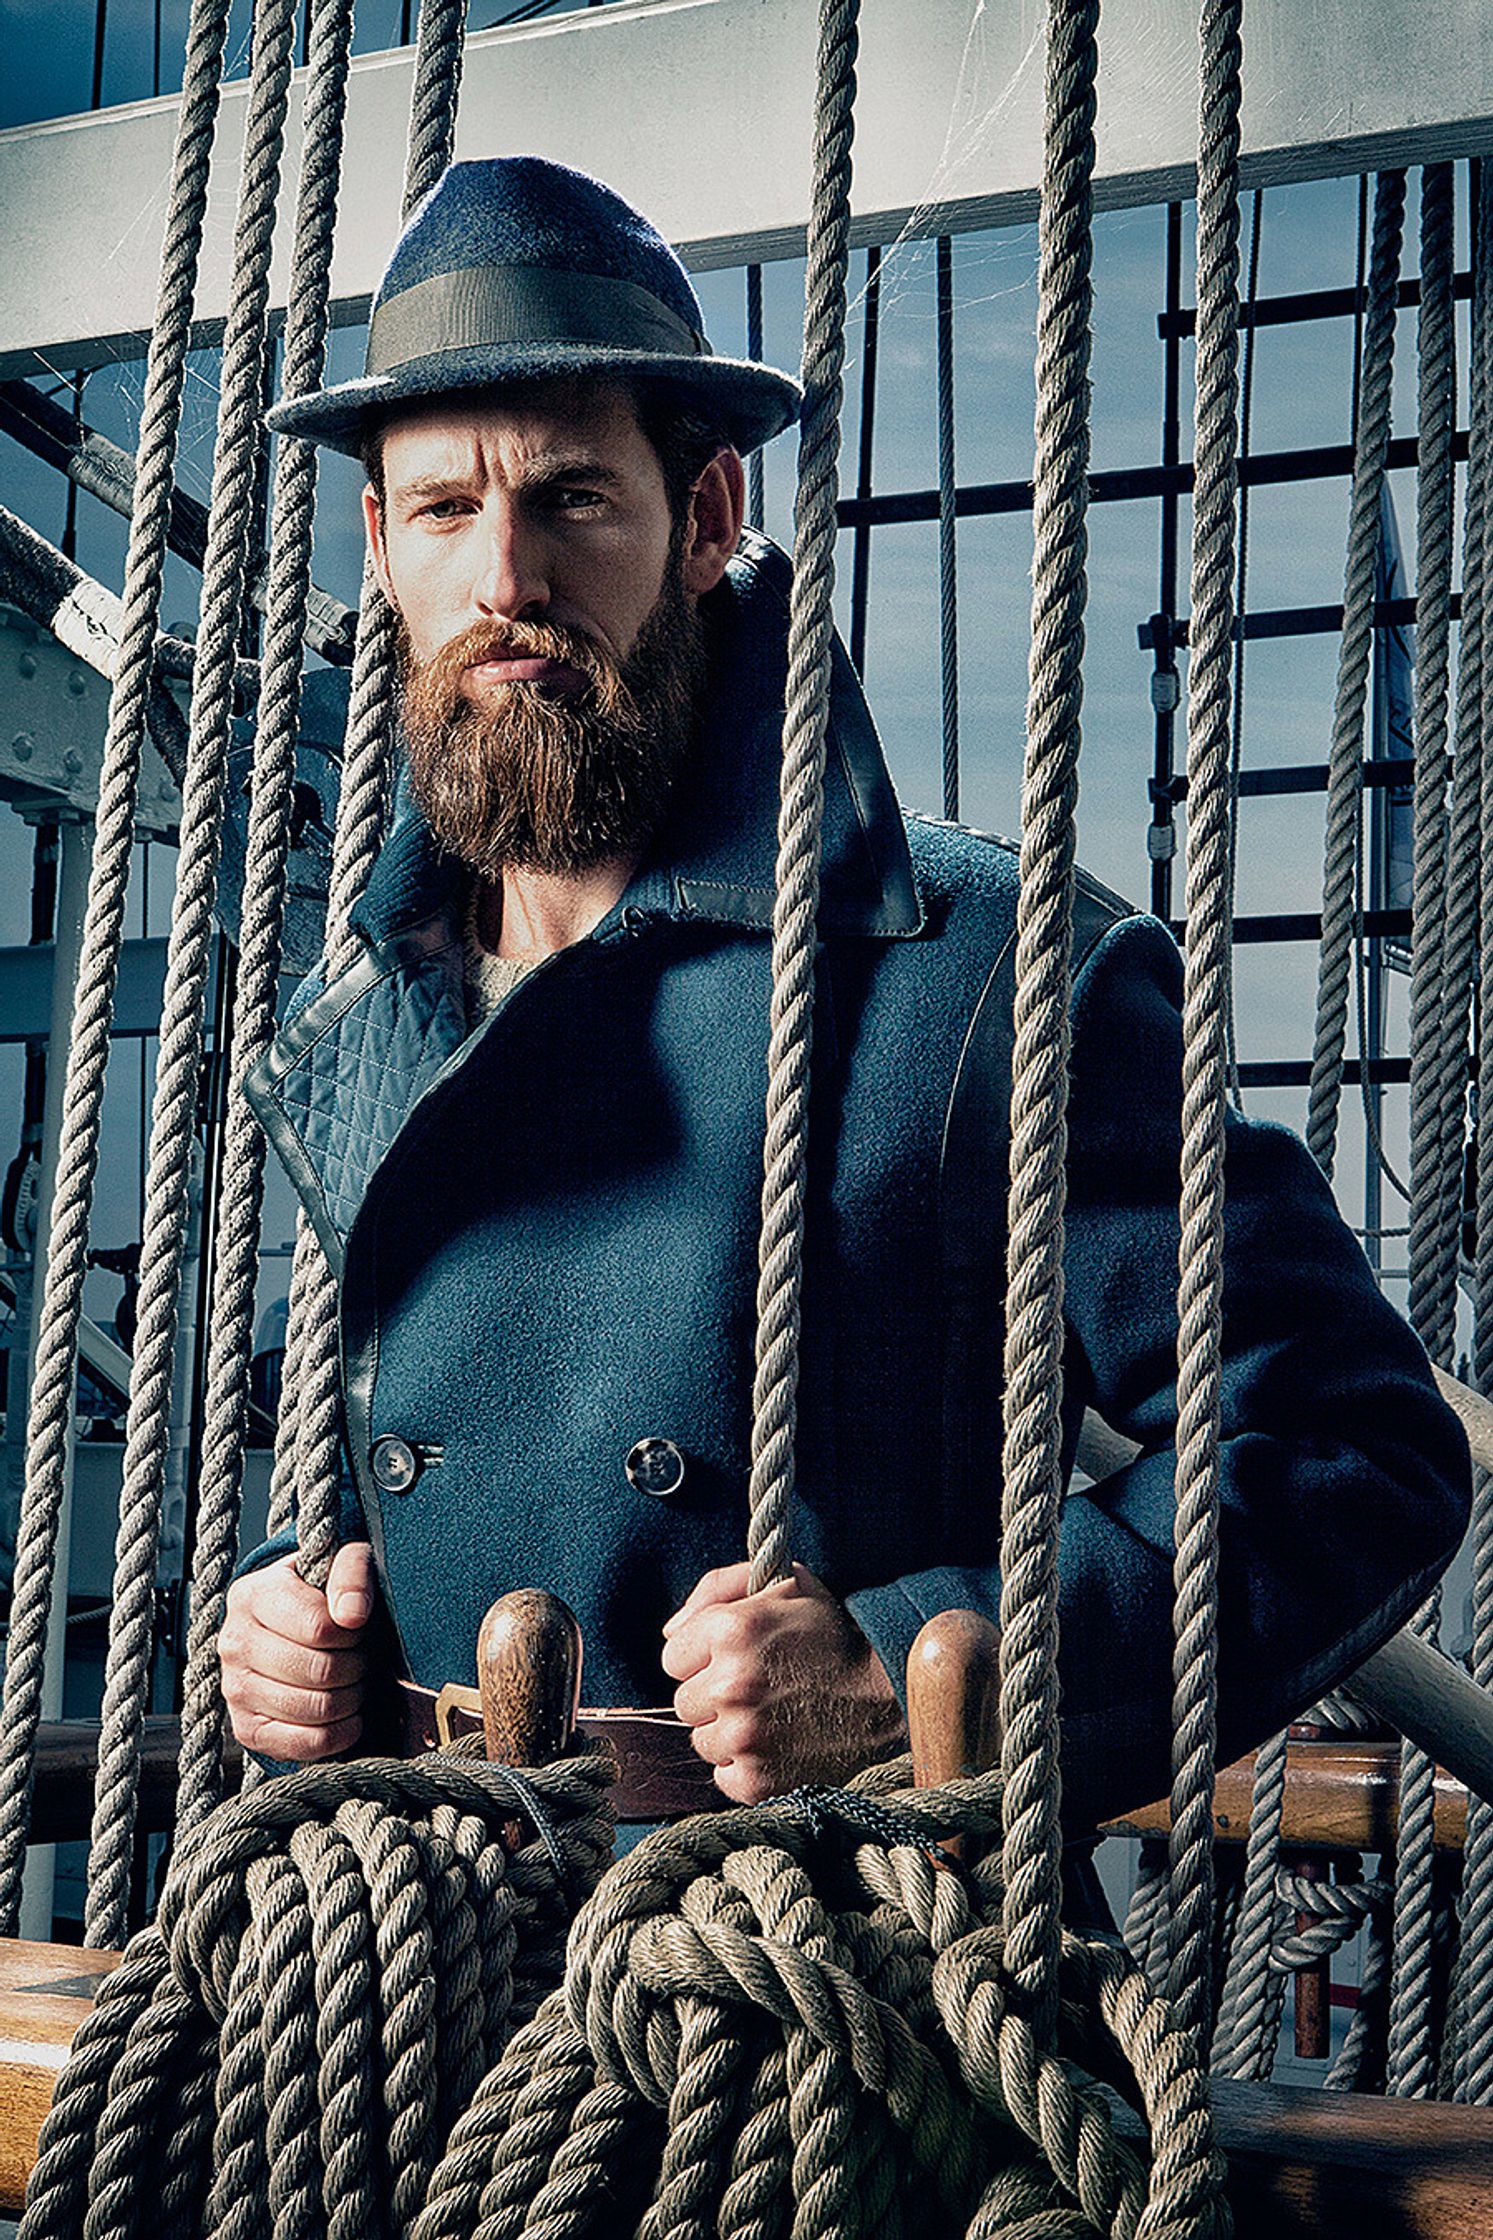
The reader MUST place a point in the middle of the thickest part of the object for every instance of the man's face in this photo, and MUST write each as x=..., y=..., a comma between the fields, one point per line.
x=547, y=599
x=548, y=507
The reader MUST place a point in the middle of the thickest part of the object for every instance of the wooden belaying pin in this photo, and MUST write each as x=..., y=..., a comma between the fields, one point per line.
x=953, y=1702
x=529, y=1677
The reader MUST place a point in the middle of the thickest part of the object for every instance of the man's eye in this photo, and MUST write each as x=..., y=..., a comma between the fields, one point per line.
x=442, y=509
x=573, y=500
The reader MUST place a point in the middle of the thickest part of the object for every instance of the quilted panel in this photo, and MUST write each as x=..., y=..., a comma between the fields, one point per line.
x=351, y=1090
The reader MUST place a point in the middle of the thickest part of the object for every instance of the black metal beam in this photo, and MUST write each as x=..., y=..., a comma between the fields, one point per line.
x=1309, y=303
x=1107, y=486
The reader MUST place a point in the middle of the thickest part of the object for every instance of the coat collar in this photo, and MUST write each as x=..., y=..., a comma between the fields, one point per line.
x=715, y=859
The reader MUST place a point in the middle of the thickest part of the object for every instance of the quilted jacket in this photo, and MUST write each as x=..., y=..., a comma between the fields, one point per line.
x=545, y=1235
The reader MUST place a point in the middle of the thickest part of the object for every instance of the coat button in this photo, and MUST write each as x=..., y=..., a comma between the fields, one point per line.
x=655, y=1466
x=394, y=1464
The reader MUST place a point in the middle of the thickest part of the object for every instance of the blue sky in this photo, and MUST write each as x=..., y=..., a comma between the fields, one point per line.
x=1296, y=534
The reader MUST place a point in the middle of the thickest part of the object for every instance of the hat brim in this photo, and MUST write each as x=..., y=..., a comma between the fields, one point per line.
x=751, y=403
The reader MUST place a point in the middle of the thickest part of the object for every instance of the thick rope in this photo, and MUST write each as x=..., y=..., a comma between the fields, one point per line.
x=1433, y=1257
x=1249, y=2019
x=179, y=1062
x=312, y=1372
x=336, y=1963
x=756, y=2033
x=948, y=537
x=1345, y=760
x=236, y=1266
x=88, y=1051
x=1473, y=2081
x=1205, y=1011
x=805, y=725
x=1411, y=2065
x=1032, y=1493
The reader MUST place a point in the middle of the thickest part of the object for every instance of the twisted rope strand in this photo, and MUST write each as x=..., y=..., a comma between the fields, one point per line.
x=948, y=537
x=179, y=1062
x=1473, y=2073
x=272, y=789
x=1345, y=761
x=795, y=906
x=1205, y=1015
x=312, y=1372
x=1034, y=1333
x=1433, y=1267
x=88, y=1049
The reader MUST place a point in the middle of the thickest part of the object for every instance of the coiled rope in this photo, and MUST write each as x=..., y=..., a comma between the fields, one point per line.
x=88, y=1049
x=734, y=2051
x=337, y=1961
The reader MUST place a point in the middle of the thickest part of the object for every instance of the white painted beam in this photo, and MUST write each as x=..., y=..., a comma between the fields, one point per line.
x=698, y=110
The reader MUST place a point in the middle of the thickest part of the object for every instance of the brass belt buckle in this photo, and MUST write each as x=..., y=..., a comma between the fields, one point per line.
x=454, y=1697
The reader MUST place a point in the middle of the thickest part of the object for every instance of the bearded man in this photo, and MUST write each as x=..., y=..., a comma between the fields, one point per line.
x=527, y=1120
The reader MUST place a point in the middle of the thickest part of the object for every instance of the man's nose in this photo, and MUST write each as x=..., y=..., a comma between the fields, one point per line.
x=511, y=580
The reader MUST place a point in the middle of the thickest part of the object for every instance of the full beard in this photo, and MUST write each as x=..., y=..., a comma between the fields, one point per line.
x=551, y=781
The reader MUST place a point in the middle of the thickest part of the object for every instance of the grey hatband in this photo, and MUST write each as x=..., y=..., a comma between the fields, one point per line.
x=493, y=306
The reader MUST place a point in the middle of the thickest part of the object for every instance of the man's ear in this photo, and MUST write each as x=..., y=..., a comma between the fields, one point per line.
x=373, y=527
x=717, y=508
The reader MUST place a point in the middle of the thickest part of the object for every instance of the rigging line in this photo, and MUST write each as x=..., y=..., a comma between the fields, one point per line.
x=312, y=1389
x=236, y=1263
x=755, y=468
x=1345, y=783
x=238, y=449
x=860, y=550
x=805, y=725
x=1204, y=1022
x=948, y=580
x=1032, y=1489
x=1241, y=605
x=88, y=1052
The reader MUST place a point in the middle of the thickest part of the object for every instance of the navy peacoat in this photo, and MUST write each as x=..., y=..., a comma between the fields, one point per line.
x=545, y=1236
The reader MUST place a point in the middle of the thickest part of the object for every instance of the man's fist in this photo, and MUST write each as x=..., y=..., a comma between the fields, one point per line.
x=779, y=1687
x=292, y=1656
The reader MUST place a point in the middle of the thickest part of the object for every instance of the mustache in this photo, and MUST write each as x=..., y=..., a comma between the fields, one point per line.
x=522, y=641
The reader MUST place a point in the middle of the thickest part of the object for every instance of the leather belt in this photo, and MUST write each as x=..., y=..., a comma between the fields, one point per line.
x=659, y=1774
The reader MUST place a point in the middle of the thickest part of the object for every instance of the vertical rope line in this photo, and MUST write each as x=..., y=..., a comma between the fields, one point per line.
x=1411, y=2056
x=1205, y=1015
x=1345, y=761
x=1241, y=597
x=179, y=1059
x=1244, y=2043
x=1032, y=1491
x=1473, y=2075
x=795, y=908
x=1460, y=941
x=860, y=549
x=88, y=1051
x=756, y=502
x=272, y=789
x=314, y=1373
x=948, y=580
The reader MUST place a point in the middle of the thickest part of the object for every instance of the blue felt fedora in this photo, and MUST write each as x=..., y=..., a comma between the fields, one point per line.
x=515, y=268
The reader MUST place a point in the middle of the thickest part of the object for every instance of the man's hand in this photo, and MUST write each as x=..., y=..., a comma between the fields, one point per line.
x=292, y=1656
x=779, y=1687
